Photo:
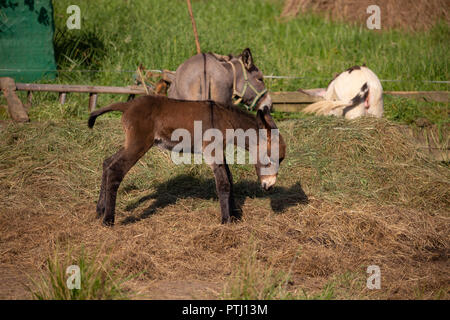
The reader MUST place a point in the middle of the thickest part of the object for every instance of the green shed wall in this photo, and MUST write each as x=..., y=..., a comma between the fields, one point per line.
x=26, y=40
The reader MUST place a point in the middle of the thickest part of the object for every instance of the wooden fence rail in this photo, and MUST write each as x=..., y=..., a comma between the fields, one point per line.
x=19, y=113
x=282, y=101
x=93, y=91
x=296, y=101
x=79, y=88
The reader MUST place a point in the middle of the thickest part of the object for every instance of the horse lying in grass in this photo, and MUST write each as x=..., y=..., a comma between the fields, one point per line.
x=354, y=93
x=154, y=120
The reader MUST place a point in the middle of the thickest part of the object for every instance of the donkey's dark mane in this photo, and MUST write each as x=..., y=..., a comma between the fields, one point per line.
x=230, y=57
x=222, y=58
x=233, y=109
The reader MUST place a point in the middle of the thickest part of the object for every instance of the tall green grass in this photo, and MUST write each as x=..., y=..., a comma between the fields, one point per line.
x=411, y=111
x=97, y=280
x=117, y=35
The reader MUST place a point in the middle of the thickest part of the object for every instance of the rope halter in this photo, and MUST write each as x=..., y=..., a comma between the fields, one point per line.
x=238, y=96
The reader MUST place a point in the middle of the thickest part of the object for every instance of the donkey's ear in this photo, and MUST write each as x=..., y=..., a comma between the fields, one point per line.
x=264, y=119
x=260, y=119
x=268, y=118
x=247, y=58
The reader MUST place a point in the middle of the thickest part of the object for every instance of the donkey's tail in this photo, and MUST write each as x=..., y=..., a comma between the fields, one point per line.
x=326, y=106
x=119, y=106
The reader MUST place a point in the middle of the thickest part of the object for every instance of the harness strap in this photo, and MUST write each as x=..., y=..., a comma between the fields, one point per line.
x=235, y=92
x=247, y=84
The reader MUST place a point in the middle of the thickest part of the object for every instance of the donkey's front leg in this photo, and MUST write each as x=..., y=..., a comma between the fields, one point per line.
x=235, y=212
x=223, y=187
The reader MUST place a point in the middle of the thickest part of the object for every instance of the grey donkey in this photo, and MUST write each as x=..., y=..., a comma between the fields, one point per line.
x=227, y=80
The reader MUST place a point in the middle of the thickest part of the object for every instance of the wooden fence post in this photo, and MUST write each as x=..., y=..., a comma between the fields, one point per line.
x=29, y=102
x=62, y=97
x=15, y=107
x=92, y=101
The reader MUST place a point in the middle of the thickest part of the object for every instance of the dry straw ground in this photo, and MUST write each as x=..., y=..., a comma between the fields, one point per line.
x=405, y=14
x=349, y=195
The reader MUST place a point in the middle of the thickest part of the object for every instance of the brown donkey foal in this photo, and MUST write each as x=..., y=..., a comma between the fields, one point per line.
x=152, y=120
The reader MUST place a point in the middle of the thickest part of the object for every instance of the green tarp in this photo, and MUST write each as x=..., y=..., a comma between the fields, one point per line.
x=26, y=40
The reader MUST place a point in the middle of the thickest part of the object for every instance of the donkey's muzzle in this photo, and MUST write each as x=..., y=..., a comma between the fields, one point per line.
x=266, y=187
x=267, y=182
x=266, y=101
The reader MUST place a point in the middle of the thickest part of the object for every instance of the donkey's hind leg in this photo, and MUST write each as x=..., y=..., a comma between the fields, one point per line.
x=101, y=198
x=123, y=161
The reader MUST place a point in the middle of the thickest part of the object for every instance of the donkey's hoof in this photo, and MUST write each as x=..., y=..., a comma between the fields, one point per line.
x=100, y=211
x=226, y=220
x=108, y=222
x=236, y=219
x=236, y=214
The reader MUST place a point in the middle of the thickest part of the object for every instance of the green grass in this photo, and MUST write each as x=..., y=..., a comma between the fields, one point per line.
x=117, y=36
x=402, y=110
x=409, y=111
x=96, y=281
x=366, y=160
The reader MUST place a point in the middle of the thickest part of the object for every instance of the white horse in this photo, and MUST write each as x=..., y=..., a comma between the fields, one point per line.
x=356, y=92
